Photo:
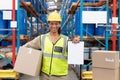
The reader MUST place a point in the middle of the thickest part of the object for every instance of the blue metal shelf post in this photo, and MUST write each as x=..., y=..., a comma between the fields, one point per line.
x=81, y=31
x=107, y=32
x=81, y=25
x=31, y=27
x=18, y=27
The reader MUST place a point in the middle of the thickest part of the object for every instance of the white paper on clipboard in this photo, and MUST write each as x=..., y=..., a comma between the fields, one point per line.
x=75, y=53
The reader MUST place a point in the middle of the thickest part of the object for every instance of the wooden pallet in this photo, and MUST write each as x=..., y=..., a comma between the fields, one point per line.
x=22, y=37
x=73, y=8
x=30, y=6
x=75, y=5
x=95, y=37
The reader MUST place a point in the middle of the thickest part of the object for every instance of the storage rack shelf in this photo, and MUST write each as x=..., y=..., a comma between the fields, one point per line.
x=68, y=12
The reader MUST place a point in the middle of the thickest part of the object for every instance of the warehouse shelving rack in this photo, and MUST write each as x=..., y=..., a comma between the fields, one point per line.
x=33, y=13
x=29, y=8
x=68, y=17
x=67, y=24
x=103, y=2
x=104, y=41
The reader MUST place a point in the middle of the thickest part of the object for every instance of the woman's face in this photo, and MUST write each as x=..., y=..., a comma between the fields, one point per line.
x=54, y=26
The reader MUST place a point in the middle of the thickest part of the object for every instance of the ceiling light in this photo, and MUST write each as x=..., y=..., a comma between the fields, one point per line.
x=53, y=7
x=51, y=3
x=55, y=0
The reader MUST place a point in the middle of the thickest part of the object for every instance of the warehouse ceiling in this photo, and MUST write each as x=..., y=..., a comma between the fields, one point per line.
x=54, y=5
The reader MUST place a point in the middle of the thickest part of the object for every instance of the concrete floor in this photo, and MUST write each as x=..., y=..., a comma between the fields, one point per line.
x=71, y=75
x=26, y=77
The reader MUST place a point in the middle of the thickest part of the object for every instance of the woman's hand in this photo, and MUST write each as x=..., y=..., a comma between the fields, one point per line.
x=76, y=39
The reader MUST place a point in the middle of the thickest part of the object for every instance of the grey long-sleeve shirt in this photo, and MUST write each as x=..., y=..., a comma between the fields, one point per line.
x=35, y=43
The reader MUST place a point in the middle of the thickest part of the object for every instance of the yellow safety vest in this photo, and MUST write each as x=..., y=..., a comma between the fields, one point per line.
x=54, y=56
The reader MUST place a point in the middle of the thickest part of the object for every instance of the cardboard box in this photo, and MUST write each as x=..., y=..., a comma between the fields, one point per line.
x=105, y=65
x=105, y=59
x=105, y=74
x=28, y=61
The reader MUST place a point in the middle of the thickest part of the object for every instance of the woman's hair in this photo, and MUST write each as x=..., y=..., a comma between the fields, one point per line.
x=59, y=30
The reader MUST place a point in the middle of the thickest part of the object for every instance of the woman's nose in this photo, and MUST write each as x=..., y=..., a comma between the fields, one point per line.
x=54, y=26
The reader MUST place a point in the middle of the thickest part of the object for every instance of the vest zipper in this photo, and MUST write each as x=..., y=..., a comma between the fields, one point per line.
x=51, y=60
x=52, y=55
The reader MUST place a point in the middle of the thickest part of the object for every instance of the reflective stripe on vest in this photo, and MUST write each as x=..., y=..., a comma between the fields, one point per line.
x=42, y=42
x=54, y=55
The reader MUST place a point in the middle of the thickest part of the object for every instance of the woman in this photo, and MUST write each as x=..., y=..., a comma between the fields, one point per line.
x=54, y=49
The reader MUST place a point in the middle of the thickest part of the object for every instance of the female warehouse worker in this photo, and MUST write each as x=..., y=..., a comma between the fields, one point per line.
x=54, y=49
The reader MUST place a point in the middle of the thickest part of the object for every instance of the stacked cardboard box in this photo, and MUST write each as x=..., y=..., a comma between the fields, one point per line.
x=28, y=61
x=105, y=65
